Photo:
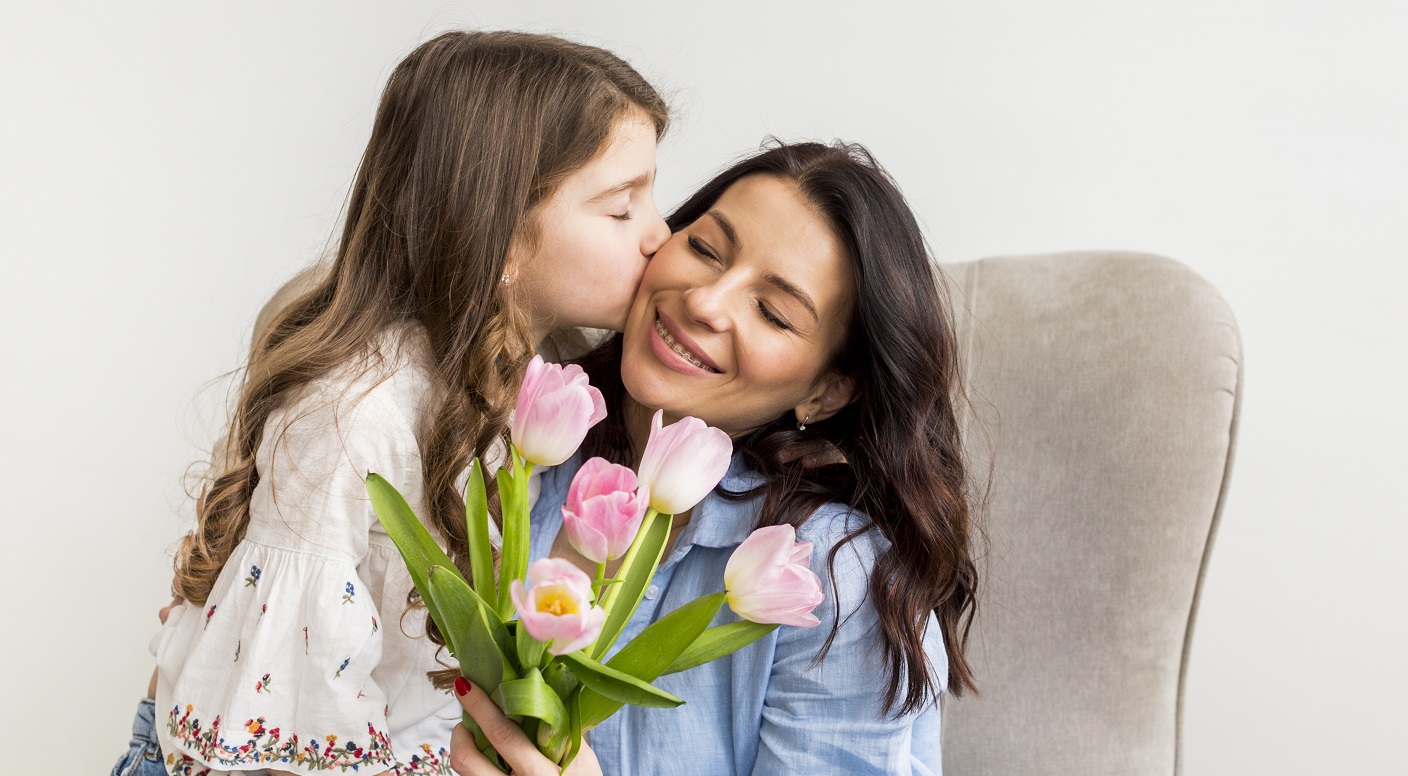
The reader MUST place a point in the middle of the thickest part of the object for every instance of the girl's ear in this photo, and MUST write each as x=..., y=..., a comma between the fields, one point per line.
x=833, y=392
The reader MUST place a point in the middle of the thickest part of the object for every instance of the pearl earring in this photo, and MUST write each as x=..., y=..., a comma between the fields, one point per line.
x=803, y=425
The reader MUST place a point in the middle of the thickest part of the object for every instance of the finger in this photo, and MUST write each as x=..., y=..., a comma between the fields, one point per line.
x=585, y=764
x=502, y=732
x=465, y=758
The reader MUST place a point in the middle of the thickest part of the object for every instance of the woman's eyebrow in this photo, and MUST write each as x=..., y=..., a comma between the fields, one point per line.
x=788, y=287
x=726, y=226
x=639, y=181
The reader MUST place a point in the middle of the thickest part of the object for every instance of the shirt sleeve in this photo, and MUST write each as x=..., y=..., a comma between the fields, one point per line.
x=830, y=718
x=274, y=670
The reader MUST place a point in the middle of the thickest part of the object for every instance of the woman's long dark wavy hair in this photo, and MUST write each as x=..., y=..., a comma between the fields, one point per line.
x=894, y=454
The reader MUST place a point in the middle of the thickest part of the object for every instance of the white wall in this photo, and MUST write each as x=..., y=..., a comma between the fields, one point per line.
x=163, y=169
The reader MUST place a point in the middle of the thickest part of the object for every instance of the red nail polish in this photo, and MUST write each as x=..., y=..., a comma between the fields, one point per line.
x=461, y=686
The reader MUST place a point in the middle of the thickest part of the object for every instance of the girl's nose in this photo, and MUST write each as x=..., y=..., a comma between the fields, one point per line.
x=654, y=235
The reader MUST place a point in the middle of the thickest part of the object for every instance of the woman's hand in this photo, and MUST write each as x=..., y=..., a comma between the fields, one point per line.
x=520, y=753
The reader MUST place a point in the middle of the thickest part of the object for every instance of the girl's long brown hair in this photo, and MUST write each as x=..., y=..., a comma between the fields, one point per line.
x=894, y=454
x=475, y=130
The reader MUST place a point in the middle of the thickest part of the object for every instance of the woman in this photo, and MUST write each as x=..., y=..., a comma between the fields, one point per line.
x=795, y=308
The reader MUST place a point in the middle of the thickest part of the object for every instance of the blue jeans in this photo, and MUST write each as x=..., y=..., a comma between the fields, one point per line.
x=143, y=757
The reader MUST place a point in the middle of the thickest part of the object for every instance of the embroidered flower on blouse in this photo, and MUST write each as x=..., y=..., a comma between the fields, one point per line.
x=264, y=746
x=238, y=644
x=262, y=685
x=339, y=668
x=209, y=614
x=348, y=596
x=263, y=610
x=253, y=579
x=375, y=627
x=305, y=639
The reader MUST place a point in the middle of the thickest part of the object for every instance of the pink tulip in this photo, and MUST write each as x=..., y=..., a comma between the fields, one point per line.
x=603, y=510
x=557, y=608
x=682, y=463
x=769, y=580
x=556, y=406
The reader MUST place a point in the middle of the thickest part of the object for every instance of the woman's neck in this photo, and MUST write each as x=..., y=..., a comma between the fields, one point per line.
x=637, y=417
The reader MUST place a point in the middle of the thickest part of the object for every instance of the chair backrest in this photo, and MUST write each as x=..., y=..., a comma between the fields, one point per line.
x=1107, y=389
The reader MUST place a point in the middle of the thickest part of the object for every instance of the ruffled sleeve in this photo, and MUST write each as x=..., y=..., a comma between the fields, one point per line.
x=275, y=669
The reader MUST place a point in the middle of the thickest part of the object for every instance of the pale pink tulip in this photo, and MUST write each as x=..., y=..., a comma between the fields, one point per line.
x=557, y=608
x=556, y=406
x=682, y=463
x=603, y=510
x=769, y=579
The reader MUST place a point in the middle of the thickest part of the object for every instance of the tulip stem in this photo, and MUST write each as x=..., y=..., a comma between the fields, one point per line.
x=600, y=576
x=629, y=561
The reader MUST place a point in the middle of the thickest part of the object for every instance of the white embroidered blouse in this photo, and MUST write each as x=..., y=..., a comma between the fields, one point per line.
x=306, y=656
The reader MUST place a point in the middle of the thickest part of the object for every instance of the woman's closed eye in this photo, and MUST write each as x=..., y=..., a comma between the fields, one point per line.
x=626, y=216
x=697, y=245
x=771, y=318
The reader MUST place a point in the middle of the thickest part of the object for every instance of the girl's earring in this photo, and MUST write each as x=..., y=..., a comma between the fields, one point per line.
x=803, y=425
x=505, y=280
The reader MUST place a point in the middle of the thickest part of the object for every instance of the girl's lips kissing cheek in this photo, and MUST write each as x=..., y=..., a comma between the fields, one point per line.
x=674, y=354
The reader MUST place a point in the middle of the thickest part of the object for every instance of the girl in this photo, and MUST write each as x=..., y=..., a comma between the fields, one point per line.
x=506, y=191
x=795, y=308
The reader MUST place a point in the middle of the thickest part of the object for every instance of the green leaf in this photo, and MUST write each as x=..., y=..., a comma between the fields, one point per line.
x=531, y=697
x=574, y=715
x=513, y=561
x=476, y=516
x=617, y=685
x=530, y=650
x=417, y=548
x=718, y=641
x=471, y=632
x=637, y=569
x=648, y=655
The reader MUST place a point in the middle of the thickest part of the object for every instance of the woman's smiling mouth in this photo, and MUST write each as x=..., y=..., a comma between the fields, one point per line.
x=680, y=350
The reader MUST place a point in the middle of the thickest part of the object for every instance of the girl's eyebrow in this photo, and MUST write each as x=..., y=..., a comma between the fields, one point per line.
x=639, y=181
x=777, y=281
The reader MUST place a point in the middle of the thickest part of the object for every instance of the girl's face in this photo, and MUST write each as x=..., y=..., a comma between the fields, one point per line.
x=595, y=235
x=740, y=313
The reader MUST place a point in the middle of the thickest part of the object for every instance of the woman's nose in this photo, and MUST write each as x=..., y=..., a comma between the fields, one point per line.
x=707, y=304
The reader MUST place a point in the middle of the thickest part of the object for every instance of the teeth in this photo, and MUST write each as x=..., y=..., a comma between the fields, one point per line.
x=678, y=348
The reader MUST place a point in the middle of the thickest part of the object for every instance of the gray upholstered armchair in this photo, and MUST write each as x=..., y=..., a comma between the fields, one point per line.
x=1107, y=385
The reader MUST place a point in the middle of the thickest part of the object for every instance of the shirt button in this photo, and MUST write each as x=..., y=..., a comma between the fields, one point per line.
x=651, y=592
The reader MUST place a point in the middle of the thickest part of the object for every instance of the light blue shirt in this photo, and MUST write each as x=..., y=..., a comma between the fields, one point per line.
x=764, y=709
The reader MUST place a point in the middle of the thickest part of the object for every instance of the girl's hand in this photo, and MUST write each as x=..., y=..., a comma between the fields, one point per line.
x=163, y=614
x=520, y=753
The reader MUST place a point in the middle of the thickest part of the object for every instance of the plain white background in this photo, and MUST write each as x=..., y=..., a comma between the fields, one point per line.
x=164, y=168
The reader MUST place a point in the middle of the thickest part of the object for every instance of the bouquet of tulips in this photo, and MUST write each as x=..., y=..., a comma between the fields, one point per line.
x=544, y=668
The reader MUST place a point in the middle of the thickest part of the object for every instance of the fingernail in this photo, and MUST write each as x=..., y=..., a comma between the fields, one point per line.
x=461, y=686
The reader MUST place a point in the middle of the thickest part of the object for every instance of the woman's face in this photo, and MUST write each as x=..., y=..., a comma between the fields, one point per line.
x=595, y=235
x=740, y=313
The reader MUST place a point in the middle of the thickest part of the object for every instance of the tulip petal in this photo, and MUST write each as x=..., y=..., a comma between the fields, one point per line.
x=682, y=462
x=768, y=580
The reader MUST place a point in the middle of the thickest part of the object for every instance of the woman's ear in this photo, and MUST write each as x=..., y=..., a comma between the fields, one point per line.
x=833, y=392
